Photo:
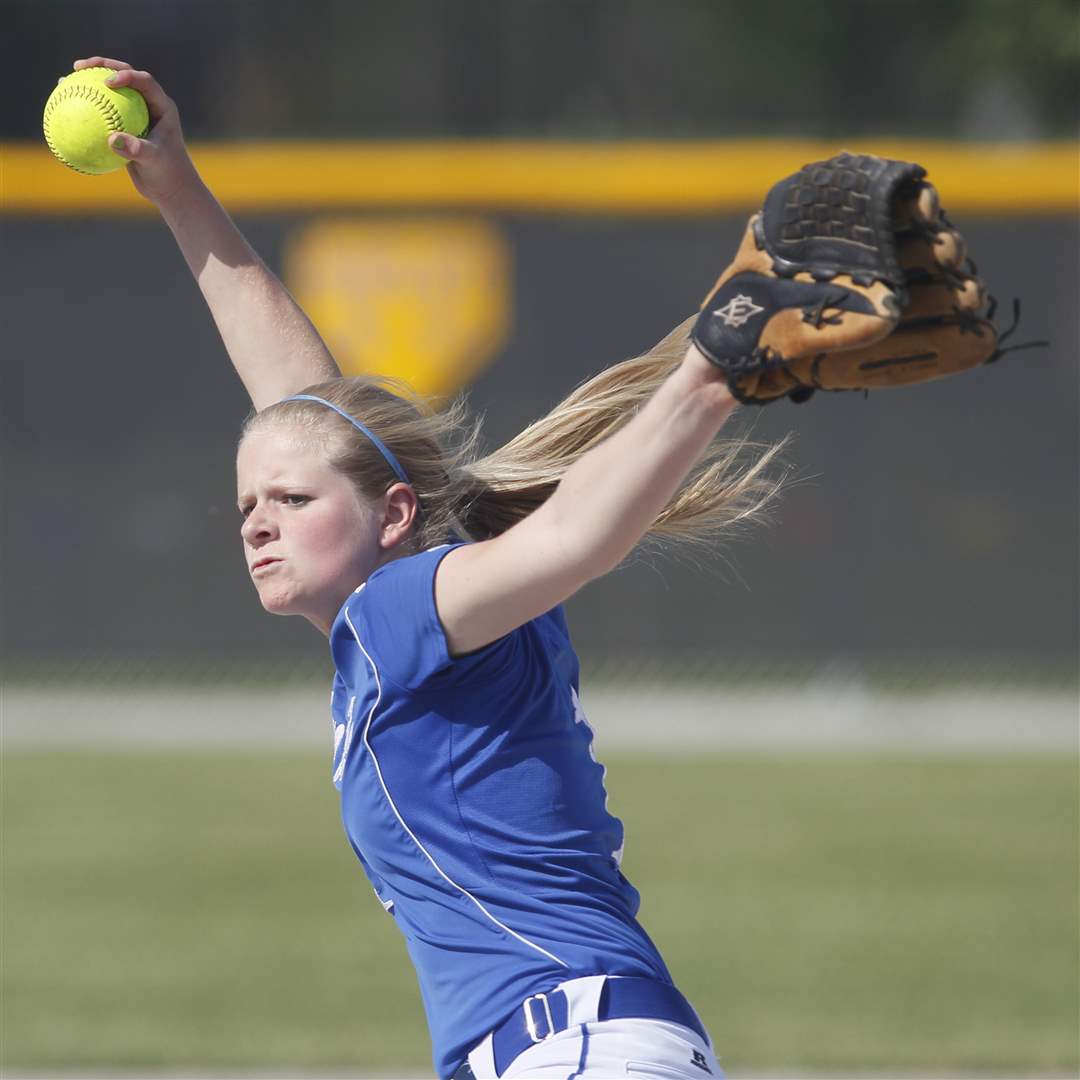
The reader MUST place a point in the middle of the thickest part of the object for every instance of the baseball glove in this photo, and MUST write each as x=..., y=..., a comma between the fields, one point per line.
x=849, y=278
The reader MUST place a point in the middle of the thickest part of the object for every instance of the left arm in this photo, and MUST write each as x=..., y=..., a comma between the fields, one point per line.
x=604, y=504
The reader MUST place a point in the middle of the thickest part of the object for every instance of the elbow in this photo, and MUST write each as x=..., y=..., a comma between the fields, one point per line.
x=591, y=555
x=569, y=555
x=606, y=555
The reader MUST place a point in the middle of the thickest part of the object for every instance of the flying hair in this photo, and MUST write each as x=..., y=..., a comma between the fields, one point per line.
x=470, y=495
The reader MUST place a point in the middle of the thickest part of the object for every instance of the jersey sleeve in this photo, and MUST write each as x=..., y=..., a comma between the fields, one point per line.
x=393, y=618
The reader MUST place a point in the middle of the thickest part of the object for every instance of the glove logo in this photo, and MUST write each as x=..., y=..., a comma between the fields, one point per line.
x=738, y=310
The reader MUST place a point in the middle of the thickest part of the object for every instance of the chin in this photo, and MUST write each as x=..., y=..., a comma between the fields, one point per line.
x=279, y=603
x=288, y=604
x=276, y=609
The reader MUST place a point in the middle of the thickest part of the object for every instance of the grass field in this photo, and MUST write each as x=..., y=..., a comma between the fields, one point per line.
x=202, y=911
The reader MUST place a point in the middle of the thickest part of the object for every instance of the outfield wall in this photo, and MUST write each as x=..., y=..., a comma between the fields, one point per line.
x=937, y=523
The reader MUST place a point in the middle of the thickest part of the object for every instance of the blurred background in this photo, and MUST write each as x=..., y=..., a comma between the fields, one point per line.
x=868, y=709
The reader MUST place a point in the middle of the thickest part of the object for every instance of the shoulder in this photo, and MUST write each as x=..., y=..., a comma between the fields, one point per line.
x=393, y=621
x=402, y=579
x=392, y=618
x=410, y=567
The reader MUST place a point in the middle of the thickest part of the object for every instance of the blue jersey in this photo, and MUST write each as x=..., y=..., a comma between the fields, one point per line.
x=470, y=793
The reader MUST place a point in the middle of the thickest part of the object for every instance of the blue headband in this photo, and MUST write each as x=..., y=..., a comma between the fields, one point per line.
x=375, y=440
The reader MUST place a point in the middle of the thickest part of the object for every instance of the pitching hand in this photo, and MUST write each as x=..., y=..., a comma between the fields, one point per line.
x=159, y=165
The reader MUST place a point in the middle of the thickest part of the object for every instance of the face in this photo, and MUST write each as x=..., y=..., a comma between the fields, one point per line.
x=309, y=538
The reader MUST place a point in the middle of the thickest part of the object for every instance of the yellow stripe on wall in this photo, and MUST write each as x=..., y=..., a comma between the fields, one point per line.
x=545, y=177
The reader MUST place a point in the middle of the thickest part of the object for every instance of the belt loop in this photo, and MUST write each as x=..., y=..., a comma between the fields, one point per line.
x=583, y=999
x=482, y=1059
x=530, y=1023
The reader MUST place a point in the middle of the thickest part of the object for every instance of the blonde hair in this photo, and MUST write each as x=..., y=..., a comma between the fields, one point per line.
x=477, y=497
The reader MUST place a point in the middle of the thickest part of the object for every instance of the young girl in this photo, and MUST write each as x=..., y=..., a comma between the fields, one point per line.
x=468, y=785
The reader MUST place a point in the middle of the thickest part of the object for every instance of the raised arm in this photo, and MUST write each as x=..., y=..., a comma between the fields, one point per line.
x=604, y=504
x=272, y=344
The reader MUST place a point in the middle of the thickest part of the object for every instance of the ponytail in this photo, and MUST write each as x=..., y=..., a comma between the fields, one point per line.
x=502, y=488
x=478, y=497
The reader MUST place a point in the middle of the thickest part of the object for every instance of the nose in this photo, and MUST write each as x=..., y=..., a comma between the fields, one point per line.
x=258, y=527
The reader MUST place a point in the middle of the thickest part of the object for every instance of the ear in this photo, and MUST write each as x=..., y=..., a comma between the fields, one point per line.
x=400, y=512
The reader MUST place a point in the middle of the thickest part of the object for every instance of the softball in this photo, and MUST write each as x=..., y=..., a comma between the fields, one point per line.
x=82, y=112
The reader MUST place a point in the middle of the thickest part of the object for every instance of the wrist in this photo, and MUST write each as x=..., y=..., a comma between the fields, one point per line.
x=707, y=379
x=189, y=197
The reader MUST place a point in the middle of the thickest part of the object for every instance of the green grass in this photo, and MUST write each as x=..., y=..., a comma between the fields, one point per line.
x=204, y=911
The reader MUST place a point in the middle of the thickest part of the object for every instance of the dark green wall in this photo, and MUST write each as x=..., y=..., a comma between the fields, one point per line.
x=934, y=521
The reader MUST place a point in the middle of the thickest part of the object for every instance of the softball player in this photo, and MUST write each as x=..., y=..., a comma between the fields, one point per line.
x=469, y=789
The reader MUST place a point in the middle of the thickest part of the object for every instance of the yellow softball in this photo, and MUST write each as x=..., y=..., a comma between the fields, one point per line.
x=82, y=112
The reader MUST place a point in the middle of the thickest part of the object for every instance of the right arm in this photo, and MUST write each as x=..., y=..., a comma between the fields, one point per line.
x=272, y=344
x=604, y=504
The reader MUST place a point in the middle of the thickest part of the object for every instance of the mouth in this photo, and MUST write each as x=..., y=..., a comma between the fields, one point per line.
x=264, y=564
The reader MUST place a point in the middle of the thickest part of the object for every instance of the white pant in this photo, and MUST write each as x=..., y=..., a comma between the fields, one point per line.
x=591, y=1049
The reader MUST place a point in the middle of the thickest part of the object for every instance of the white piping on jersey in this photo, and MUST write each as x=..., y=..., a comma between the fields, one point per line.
x=412, y=836
x=339, y=772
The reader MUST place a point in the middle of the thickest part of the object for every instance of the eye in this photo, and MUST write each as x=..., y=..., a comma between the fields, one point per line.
x=296, y=500
x=246, y=509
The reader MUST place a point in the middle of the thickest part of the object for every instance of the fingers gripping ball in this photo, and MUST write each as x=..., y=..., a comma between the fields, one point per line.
x=82, y=112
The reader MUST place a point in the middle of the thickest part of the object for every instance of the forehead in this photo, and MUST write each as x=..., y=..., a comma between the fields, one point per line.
x=274, y=453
